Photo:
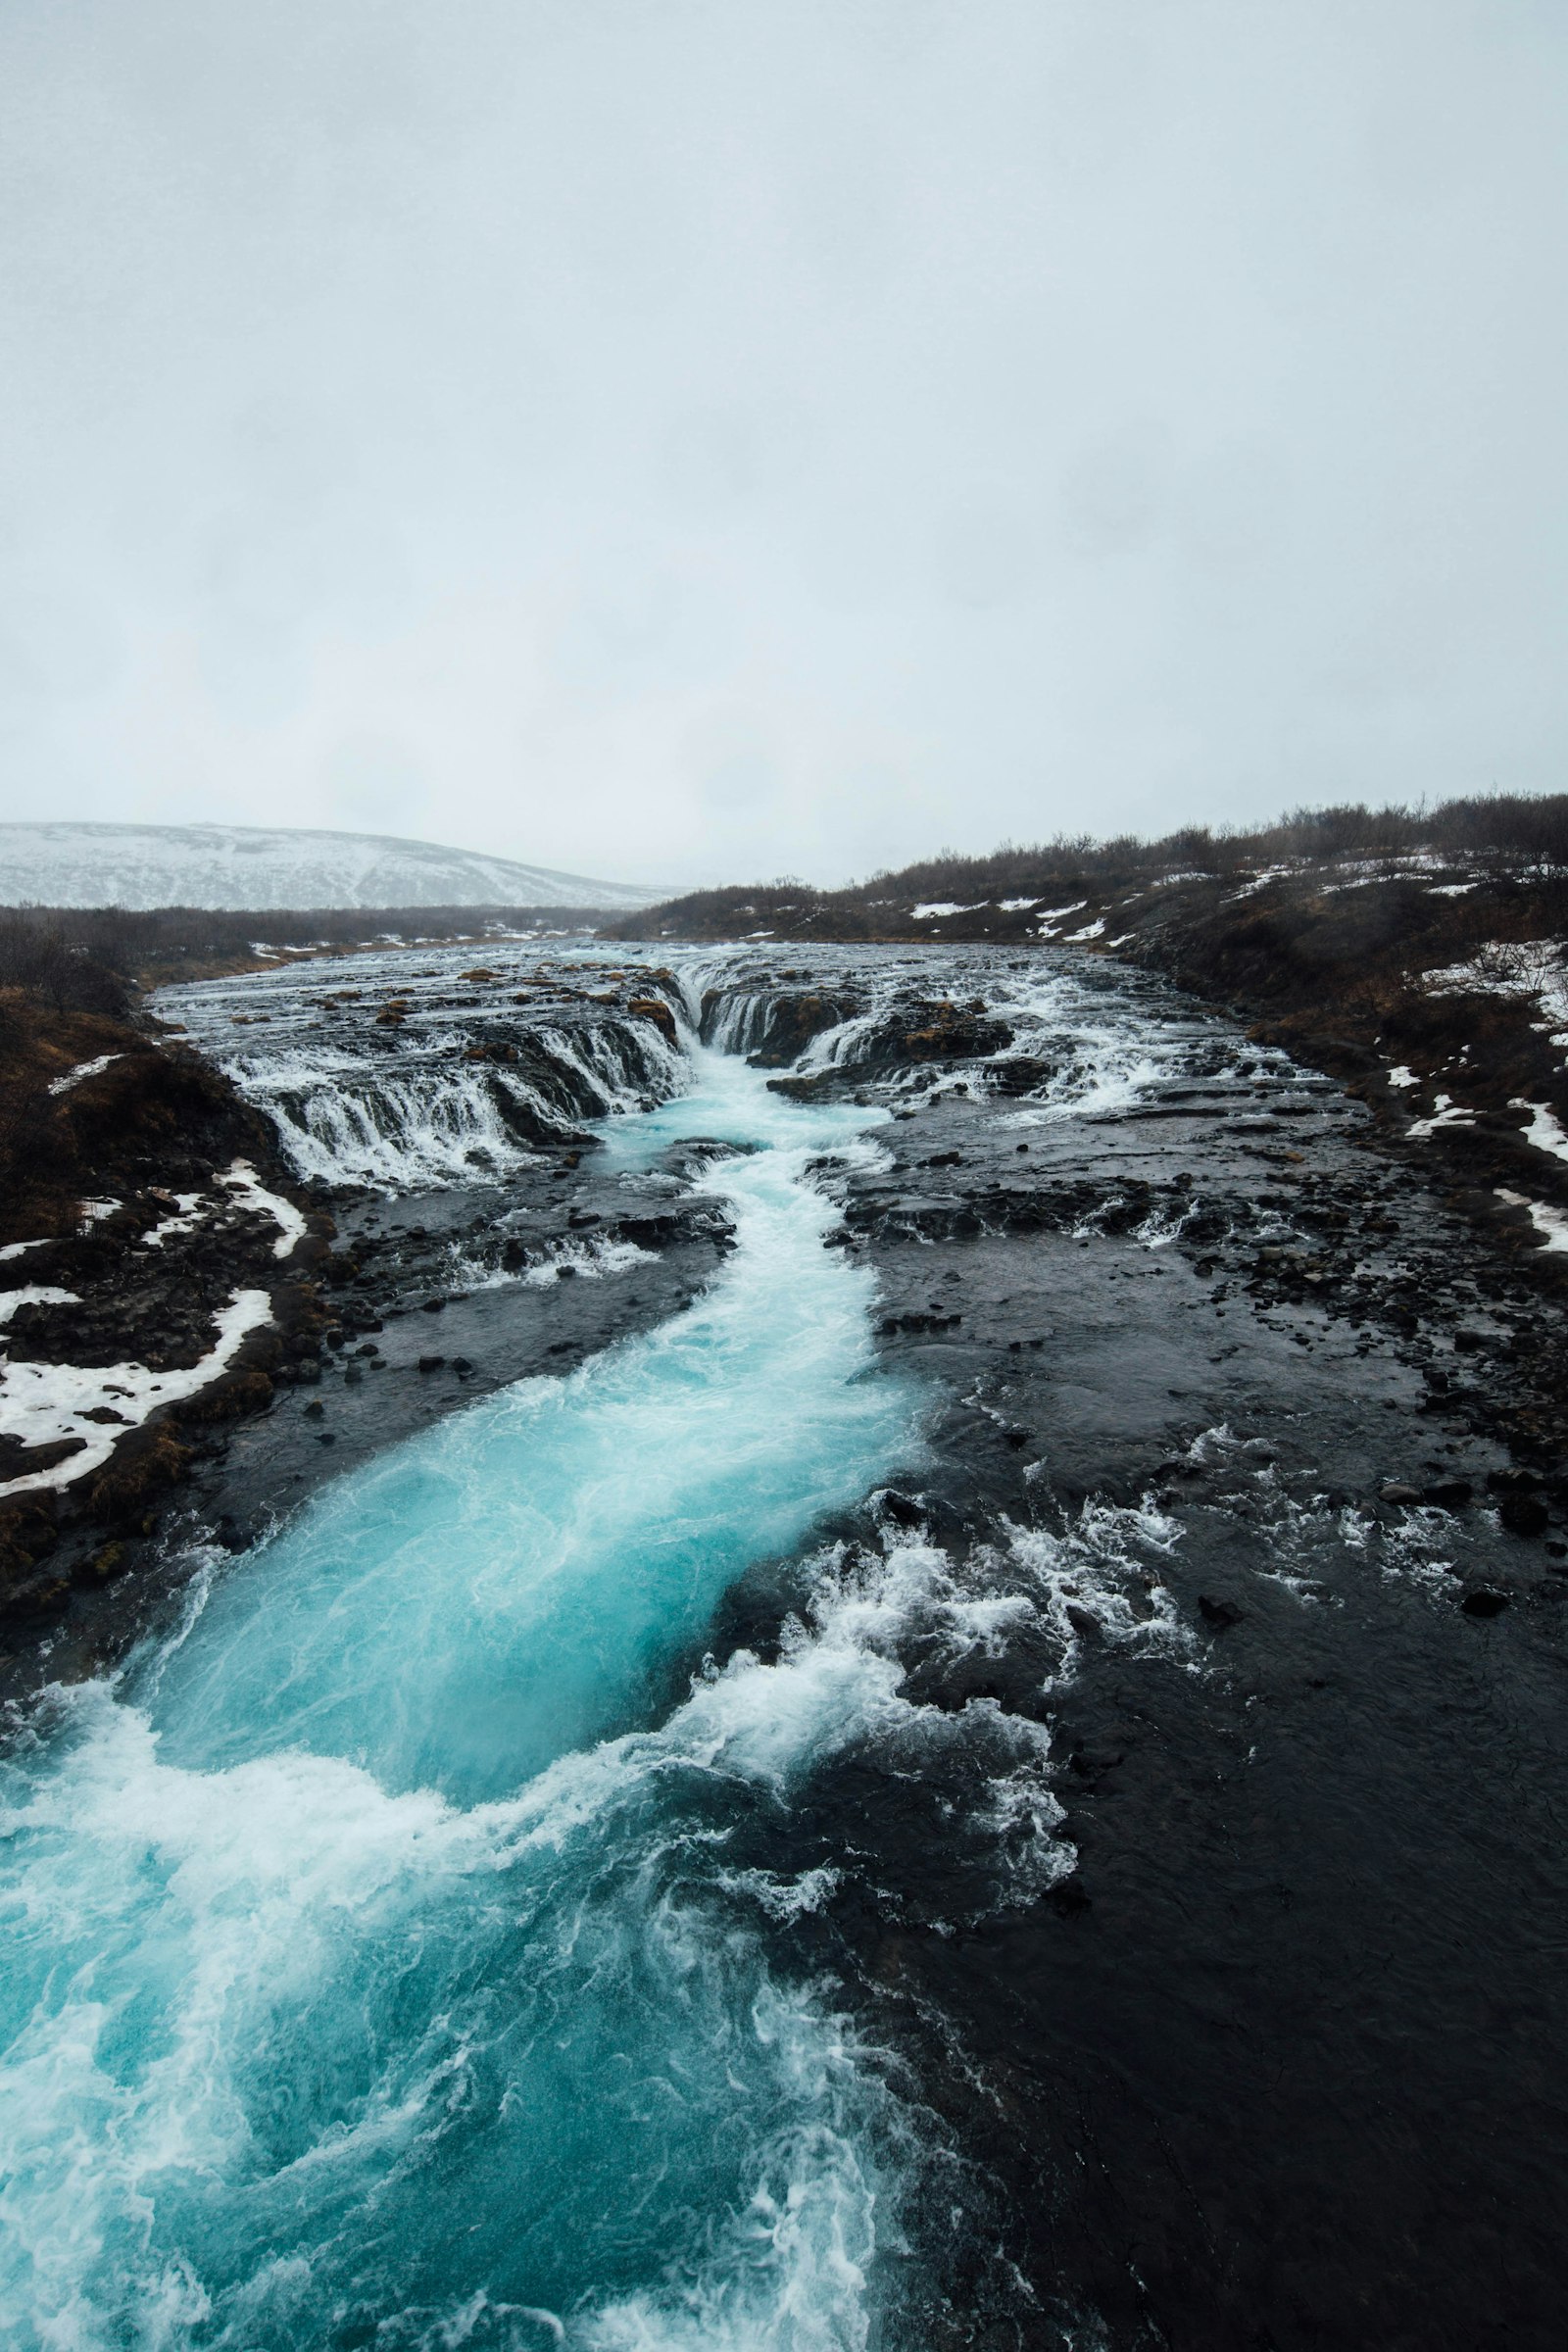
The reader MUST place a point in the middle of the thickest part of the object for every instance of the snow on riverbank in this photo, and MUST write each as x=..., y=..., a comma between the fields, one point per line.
x=84, y=1069
x=1545, y=1129
x=247, y=1189
x=46, y=1404
x=1549, y=1223
x=1510, y=969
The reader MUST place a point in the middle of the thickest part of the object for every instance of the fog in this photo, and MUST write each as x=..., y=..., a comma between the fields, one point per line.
x=702, y=441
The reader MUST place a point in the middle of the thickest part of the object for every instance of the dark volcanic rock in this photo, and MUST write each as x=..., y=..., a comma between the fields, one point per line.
x=1524, y=1514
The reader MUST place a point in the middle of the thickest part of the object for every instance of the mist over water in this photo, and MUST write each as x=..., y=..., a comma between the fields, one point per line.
x=355, y=1995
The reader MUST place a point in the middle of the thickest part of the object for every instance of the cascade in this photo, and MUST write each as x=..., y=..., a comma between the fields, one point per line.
x=377, y=1969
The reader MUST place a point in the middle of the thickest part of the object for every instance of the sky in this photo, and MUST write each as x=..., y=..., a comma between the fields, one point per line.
x=689, y=440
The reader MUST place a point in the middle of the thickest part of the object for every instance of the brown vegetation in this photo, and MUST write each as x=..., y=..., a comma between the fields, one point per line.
x=155, y=1110
x=1514, y=833
x=89, y=957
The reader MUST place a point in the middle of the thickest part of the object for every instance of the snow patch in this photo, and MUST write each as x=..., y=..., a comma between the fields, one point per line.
x=42, y=1404
x=243, y=1181
x=1508, y=968
x=1544, y=1130
x=84, y=1069
x=1260, y=881
x=1549, y=1223
x=1446, y=1113
x=35, y=1293
x=184, y=1220
x=1050, y=915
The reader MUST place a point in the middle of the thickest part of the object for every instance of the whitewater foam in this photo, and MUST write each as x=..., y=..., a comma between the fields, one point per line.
x=375, y=1975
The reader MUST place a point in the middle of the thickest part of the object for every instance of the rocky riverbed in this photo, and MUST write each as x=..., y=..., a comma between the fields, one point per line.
x=1202, y=1877
x=1429, y=977
x=1253, y=1448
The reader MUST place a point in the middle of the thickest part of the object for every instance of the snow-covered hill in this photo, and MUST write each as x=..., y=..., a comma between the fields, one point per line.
x=253, y=866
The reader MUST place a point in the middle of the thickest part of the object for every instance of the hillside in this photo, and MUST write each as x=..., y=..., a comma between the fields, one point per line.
x=253, y=867
x=1024, y=892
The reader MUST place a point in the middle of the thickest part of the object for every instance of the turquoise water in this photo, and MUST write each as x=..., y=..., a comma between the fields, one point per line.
x=375, y=1971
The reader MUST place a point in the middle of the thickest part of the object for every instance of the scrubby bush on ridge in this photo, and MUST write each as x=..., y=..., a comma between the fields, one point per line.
x=1507, y=828
x=84, y=958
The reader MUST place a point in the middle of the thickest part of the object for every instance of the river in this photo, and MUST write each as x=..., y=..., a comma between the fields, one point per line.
x=563, y=1884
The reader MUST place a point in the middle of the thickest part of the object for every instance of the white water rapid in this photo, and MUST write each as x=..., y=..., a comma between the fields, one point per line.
x=378, y=1971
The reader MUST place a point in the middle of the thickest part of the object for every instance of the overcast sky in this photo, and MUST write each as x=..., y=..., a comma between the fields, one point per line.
x=702, y=440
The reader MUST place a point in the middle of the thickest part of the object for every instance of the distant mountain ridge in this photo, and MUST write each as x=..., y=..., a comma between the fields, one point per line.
x=254, y=867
